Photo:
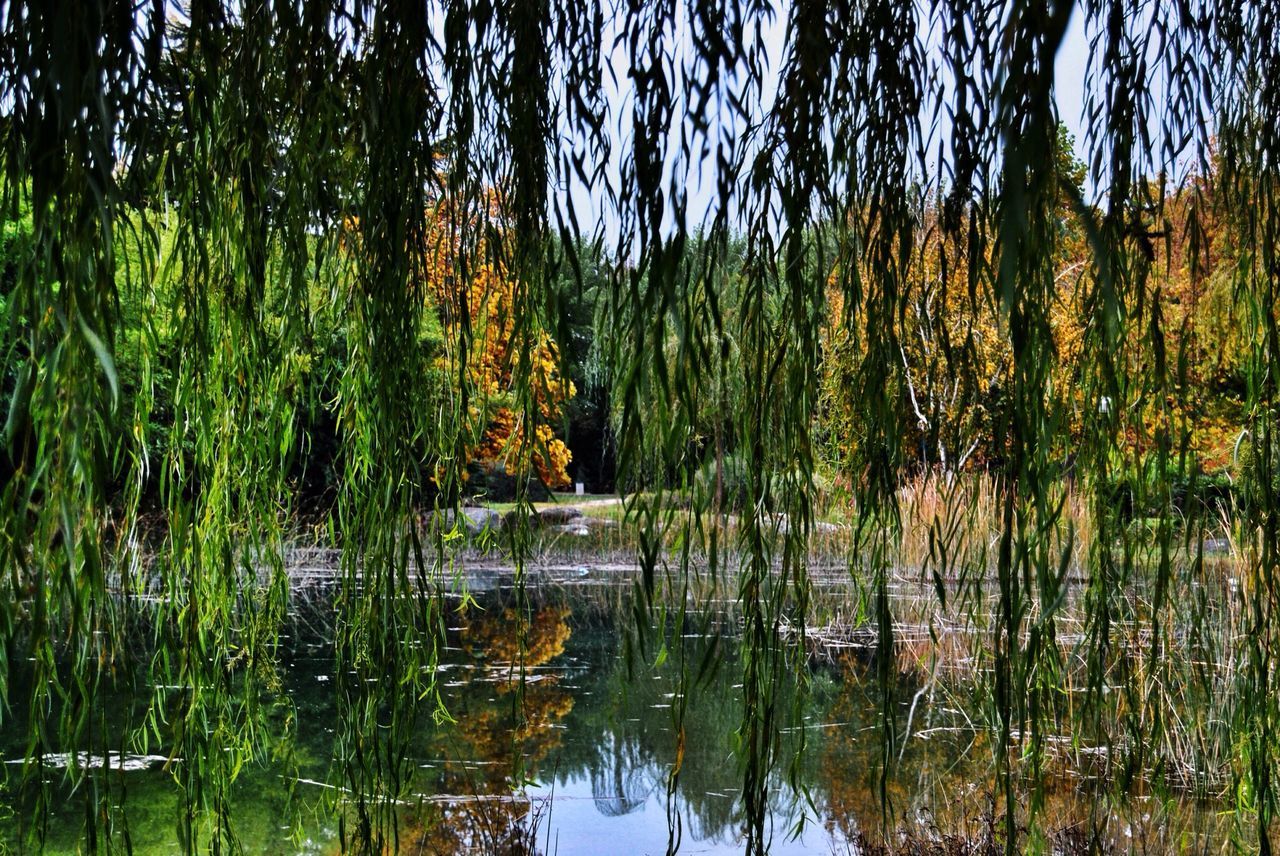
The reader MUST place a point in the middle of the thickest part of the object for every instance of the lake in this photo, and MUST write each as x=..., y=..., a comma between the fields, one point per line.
x=577, y=757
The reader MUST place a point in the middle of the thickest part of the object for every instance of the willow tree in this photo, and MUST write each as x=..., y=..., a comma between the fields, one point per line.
x=243, y=168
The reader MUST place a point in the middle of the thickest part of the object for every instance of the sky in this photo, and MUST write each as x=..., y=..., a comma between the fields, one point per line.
x=698, y=179
x=1069, y=75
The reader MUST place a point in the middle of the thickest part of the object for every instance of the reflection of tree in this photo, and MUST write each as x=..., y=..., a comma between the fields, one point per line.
x=934, y=787
x=621, y=776
x=851, y=759
x=503, y=729
x=497, y=640
x=631, y=737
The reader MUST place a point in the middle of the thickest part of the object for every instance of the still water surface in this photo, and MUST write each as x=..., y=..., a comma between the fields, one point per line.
x=578, y=759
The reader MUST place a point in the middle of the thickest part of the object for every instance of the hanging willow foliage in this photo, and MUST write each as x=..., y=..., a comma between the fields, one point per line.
x=241, y=170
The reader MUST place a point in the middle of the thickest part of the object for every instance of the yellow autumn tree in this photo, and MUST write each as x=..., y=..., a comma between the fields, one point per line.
x=478, y=301
x=953, y=348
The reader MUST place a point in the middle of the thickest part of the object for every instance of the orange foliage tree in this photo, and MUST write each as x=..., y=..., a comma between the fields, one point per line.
x=480, y=303
x=1182, y=349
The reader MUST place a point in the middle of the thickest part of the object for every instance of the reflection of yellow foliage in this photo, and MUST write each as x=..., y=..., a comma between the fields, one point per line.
x=493, y=733
x=844, y=777
x=499, y=641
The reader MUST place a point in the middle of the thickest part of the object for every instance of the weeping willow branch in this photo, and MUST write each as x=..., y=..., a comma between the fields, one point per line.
x=892, y=248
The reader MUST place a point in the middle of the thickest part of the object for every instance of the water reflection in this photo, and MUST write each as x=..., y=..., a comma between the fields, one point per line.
x=555, y=744
x=503, y=729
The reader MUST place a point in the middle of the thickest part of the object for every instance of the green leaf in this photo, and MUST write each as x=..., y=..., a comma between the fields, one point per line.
x=103, y=353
